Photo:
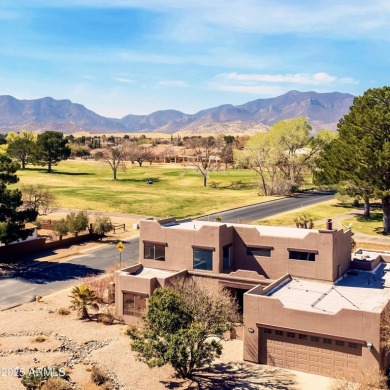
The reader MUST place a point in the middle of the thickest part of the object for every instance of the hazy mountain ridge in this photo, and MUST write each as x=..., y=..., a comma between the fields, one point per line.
x=323, y=110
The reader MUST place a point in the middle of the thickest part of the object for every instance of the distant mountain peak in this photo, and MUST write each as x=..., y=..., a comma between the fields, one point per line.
x=322, y=110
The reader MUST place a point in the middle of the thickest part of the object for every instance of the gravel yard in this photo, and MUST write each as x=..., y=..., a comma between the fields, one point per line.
x=35, y=335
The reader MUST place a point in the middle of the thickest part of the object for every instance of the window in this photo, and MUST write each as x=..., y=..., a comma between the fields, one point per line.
x=227, y=256
x=290, y=334
x=154, y=251
x=264, y=252
x=315, y=339
x=203, y=259
x=134, y=304
x=352, y=345
x=266, y=330
x=340, y=343
x=327, y=341
x=279, y=332
x=302, y=337
x=301, y=255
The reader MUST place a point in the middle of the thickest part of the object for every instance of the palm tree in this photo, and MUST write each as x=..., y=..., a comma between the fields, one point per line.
x=82, y=298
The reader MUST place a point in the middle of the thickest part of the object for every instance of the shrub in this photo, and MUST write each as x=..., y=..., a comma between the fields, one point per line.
x=102, y=225
x=106, y=318
x=63, y=311
x=37, y=376
x=57, y=384
x=99, y=376
x=61, y=227
x=39, y=339
x=82, y=298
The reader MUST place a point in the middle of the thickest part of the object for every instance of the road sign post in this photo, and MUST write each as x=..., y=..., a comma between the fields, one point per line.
x=120, y=246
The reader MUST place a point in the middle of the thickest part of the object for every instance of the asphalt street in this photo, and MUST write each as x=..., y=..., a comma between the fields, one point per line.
x=43, y=278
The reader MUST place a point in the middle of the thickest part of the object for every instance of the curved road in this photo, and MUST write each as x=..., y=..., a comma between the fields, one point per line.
x=43, y=278
x=263, y=210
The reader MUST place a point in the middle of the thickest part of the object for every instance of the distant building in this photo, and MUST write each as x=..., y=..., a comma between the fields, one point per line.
x=306, y=304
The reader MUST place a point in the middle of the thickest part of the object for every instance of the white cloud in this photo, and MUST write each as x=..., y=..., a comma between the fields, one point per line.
x=320, y=78
x=173, y=84
x=274, y=84
x=124, y=80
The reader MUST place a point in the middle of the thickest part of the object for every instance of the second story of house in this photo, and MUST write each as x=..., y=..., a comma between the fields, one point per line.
x=270, y=251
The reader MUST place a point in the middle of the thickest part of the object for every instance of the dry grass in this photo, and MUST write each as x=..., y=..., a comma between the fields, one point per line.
x=57, y=384
x=359, y=380
x=63, y=311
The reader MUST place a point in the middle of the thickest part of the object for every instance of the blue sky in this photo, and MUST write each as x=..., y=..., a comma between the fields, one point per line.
x=120, y=57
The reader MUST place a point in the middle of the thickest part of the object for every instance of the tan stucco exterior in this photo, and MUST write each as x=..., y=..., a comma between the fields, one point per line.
x=266, y=319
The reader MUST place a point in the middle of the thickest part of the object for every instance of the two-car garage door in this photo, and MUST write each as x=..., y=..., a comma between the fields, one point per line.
x=300, y=351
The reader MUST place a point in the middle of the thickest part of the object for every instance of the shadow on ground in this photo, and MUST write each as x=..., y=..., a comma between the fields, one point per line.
x=237, y=376
x=43, y=272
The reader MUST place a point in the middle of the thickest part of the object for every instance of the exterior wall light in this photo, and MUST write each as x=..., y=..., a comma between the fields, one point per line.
x=251, y=330
x=369, y=345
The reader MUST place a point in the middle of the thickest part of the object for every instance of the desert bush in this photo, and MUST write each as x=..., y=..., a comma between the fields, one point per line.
x=61, y=227
x=36, y=377
x=102, y=225
x=57, y=384
x=359, y=380
x=99, y=285
x=107, y=318
x=39, y=339
x=63, y=311
x=99, y=376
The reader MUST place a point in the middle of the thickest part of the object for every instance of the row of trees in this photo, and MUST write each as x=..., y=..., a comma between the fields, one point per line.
x=48, y=148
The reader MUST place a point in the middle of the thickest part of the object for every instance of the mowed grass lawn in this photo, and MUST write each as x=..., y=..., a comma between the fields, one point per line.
x=177, y=191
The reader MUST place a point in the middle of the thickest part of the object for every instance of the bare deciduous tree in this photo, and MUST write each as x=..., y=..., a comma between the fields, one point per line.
x=39, y=198
x=115, y=157
x=206, y=154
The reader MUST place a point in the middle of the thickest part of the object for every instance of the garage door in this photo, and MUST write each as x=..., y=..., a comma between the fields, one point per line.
x=303, y=352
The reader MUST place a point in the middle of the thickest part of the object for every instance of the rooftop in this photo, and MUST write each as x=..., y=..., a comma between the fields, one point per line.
x=356, y=290
x=270, y=231
x=150, y=273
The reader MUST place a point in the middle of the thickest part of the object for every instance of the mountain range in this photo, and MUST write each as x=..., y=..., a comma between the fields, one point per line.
x=322, y=110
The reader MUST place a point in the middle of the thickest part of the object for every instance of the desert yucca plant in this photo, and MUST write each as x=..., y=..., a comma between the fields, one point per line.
x=83, y=297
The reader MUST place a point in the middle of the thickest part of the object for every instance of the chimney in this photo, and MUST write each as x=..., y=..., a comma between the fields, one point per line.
x=329, y=224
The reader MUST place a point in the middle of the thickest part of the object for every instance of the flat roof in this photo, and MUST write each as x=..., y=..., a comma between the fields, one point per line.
x=150, y=273
x=356, y=290
x=270, y=231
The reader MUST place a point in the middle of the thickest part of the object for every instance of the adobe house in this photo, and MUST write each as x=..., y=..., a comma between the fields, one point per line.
x=307, y=304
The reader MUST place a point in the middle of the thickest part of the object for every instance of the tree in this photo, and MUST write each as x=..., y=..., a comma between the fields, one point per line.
x=205, y=154
x=83, y=297
x=178, y=324
x=50, y=149
x=38, y=198
x=102, y=225
x=12, y=219
x=140, y=154
x=115, y=157
x=61, y=227
x=76, y=223
x=361, y=154
x=21, y=146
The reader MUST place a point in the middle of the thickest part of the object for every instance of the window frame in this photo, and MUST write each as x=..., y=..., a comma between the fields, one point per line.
x=209, y=262
x=229, y=261
x=302, y=255
x=136, y=312
x=152, y=247
x=251, y=249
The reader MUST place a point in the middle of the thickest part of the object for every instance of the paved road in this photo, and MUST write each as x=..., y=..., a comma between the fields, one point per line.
x=264, y=210
x=43, y=278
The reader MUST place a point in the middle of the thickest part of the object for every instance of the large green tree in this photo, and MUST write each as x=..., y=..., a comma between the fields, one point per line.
x=21, y=145
x=361, y=153
x=178, y=324
x=12, y=219
x=51, y=148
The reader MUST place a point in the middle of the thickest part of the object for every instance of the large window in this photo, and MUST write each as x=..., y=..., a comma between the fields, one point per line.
x=227, y=256
x=134, y=304
x=203, y=259
x=302, y=255
x=259, y=251
x=153, y=251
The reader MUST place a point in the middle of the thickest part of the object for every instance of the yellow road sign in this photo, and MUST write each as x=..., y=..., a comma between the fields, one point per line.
x=120, y=246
